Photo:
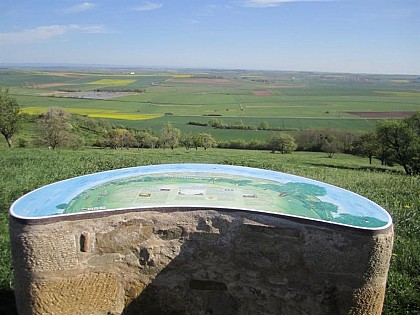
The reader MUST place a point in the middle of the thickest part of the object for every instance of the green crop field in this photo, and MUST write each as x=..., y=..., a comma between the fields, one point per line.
x=26, y=169
x=294, y=100
x=181, y=122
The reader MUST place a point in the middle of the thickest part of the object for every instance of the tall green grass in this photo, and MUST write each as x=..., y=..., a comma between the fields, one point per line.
x=23, y=170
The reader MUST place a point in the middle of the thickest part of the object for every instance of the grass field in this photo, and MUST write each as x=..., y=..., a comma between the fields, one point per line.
x=26, y=169
x=181, y=122
x=285, y=99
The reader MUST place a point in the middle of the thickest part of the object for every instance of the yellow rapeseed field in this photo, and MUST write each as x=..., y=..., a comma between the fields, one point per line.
x=401, y=81
x=111, y=82
x=181, y=76
x=96, y=113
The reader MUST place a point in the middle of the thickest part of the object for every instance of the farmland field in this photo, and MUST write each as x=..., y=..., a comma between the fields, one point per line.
x=96, y=113
x=294, y=100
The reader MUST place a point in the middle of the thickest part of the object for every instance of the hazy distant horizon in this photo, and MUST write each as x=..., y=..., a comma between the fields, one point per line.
x=334, y=36
x=171, y=68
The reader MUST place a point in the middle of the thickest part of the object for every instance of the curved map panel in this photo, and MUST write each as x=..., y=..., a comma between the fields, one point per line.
x=202, y=185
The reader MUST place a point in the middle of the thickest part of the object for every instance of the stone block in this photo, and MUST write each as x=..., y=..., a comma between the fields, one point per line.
x=92, y=293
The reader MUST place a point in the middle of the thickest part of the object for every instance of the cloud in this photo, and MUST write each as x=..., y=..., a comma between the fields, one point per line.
x=193, y=21
x=148, y=6
x=91, y=29
x=274, y=3
x=44, y=33
x=80, y=7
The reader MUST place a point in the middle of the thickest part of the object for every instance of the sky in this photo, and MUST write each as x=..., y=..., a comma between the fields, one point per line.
x=359, y=36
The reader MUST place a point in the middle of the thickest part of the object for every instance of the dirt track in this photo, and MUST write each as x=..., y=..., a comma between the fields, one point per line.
x=382, y=114
x=262, y=93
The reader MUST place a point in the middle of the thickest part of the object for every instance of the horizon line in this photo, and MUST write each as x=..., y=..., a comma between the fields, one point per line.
x=155, y=67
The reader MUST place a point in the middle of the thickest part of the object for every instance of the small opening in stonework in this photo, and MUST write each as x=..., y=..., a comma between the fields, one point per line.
x=207, y=285
x=144, y=256
x=84, y=242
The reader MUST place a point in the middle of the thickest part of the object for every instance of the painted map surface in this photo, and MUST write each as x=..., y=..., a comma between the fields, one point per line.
x=203, y=185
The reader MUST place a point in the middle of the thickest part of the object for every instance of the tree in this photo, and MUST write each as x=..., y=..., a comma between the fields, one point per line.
x=402, y=139
x=215, y=122
x=207, y=141
x=153, y=141
x=330, y=145
x=55, y=128
x=366, y=145
x=264, y=125
x=170, y=136
x=347, y=139
x=121, y=138
x=146, y=139
x=9, y=115
x=239, y=124
x=187, y=140
x=284, y=143
x=309, y=140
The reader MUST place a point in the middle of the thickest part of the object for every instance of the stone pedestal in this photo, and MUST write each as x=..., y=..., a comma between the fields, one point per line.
x=192, y=261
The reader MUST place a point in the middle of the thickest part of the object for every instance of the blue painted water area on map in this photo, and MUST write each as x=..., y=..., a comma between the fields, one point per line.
x=347, y=208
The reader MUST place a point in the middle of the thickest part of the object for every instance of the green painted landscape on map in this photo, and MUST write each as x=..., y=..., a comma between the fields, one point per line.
x=214, y=191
